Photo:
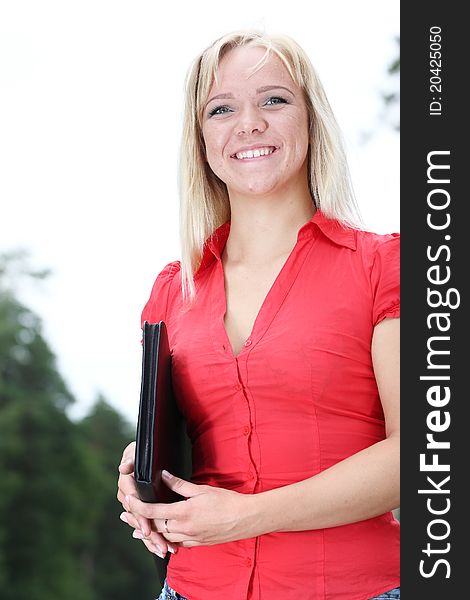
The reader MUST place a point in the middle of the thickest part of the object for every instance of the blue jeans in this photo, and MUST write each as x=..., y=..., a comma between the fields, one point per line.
x=169, y=594
x=390, y=595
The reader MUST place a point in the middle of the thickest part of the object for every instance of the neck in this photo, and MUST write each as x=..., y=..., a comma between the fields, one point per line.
x=265, y=228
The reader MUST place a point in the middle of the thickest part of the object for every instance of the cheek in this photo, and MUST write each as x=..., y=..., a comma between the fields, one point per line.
x=214, y=148
x=303, y=140
x=298, y=130
x=214, y=161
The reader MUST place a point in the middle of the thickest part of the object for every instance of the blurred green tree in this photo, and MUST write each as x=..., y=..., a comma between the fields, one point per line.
x=60, y=534
x=47, y=473
x=113, y=550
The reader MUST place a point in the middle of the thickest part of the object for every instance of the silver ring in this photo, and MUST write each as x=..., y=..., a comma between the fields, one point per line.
x=166, y=525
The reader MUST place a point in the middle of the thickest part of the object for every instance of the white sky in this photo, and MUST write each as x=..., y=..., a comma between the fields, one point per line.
x=90, y=119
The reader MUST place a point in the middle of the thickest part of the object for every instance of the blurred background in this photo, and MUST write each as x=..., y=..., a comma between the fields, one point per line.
x=90, y=117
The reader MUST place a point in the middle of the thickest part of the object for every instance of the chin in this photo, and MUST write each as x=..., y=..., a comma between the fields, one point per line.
x=258, y=189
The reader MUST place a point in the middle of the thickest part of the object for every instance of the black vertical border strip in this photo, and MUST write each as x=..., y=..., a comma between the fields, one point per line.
x=424, y=131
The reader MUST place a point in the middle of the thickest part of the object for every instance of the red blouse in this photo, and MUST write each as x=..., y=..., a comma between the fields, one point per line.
x=299, y=397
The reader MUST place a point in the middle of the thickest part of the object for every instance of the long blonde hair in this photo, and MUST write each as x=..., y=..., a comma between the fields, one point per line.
x=204, y=201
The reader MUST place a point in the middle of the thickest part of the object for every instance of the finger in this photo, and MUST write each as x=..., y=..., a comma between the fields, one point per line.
x=143, y=523
x=155, y=539
x=161, y=543
x=126, y=467
x=156, y=548
x=133, y=522
x=126, y=487
x=159, y=525
x=154, y=511
x=128, y=457
x=129, y=519
x=175, y=538
x=122, y=494
x=189, y=544
x=129, y=451
x=181, y=486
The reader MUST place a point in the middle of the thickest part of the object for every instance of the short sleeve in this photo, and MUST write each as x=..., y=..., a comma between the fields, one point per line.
x=385, y=279
x=156, y=308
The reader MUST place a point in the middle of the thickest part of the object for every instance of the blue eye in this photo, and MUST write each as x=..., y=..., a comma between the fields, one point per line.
x=219, y=110
x=275, y=100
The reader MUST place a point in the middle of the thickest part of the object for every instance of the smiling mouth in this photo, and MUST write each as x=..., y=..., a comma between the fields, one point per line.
x=255, y=153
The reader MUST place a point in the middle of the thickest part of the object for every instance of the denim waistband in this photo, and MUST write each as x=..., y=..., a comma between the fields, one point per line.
x=169, y=593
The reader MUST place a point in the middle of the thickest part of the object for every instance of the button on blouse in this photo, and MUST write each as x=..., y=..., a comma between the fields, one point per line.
x=299, y=397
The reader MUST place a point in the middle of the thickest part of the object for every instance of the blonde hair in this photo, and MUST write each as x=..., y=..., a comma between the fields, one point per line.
x=204, y=198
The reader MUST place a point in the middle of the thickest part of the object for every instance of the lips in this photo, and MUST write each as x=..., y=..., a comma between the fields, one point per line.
x=254, y=152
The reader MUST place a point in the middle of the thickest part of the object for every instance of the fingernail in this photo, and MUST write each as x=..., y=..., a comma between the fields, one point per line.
x=171, y=549
x=167, y=475
x=123, y=517
x=138, y=535
x=159, y=552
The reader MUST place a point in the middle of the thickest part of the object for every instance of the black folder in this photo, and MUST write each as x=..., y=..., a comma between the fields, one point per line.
x=161, y=441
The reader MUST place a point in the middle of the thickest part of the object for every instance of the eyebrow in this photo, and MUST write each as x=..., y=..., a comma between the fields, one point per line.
x=260, y=90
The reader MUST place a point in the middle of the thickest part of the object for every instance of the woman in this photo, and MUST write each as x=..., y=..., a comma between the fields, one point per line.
x=282, y=319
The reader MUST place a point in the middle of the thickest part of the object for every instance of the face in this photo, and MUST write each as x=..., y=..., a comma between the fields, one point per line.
x=255, y=126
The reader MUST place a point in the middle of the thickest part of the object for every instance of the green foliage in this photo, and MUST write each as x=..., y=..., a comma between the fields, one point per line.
x=47, y=477
x=60, y=533
x=132, y=567
x=27, y=366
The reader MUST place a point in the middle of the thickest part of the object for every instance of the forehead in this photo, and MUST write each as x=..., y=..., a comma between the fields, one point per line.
x=237, y=68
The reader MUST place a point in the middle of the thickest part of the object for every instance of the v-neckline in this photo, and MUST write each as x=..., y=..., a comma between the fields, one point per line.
x=257, y=323
x=259, y=312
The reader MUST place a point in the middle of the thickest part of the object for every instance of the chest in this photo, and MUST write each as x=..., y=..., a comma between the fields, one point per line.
x=246, y=289
x=306, y=338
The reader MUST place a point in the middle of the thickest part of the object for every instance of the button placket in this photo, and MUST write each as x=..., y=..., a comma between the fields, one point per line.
x=247, y=428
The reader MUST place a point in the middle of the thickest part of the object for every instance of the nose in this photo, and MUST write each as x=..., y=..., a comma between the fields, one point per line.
x=250, y=121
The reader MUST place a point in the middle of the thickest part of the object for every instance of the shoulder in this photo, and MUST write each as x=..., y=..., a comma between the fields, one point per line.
x=163, y=289
x=166, y=277
x=370, y=244
x=380, y=255
x=167, y=274
x=377, y=251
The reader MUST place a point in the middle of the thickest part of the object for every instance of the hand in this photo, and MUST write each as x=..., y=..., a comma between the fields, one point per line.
x=154, y=542
x=209, y=516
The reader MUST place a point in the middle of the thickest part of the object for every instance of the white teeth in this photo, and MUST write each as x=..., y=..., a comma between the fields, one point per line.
x=255, y=153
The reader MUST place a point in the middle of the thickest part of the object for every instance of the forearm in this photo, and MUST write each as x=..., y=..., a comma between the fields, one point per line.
x=360, y=487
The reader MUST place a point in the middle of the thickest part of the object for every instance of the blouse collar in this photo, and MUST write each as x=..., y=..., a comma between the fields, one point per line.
x=331, y=228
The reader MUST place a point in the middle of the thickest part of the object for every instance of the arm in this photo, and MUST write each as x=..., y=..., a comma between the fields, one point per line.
x=360, y=487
